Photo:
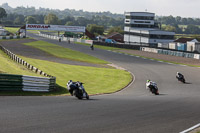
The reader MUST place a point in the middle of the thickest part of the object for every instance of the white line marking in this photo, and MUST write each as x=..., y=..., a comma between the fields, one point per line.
x=160, y=61
x=190, y=129
x=152, y=59
x=182, y=65
x=170, y=63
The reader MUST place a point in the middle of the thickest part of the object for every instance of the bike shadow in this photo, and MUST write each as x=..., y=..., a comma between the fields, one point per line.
x=188, y=83
x=162, y=94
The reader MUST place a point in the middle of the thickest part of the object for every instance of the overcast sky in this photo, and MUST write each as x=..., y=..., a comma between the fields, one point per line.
x=183, y=8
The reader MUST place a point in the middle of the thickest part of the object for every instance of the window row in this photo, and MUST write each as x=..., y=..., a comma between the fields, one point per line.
x=150, y=36
x=140, y=17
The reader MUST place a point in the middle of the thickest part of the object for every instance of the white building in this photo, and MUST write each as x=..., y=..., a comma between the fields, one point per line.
x=140, y=27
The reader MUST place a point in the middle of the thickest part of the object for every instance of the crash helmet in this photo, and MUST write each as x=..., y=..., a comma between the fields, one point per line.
x=148, y=81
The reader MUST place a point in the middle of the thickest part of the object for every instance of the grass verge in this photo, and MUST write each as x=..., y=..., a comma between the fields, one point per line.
x=97, y=80
x=61, y=52
x=12, y=29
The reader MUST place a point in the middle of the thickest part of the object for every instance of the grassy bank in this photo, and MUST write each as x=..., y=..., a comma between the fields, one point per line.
x=66, y=53
x=97, y=80
x=10, y=67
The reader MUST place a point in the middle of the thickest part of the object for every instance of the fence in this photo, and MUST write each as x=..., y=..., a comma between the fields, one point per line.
x=11, y=37
x=171, y=52
x=135, y=46
x=26, y=83
x=67, y=39
x=21, y=61
x=126, y=46
x=10, y=82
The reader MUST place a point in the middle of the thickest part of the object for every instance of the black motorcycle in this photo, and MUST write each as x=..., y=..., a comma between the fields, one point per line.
x=153, y=89
x=76, y=89
x=92, y=47
x=181, y=79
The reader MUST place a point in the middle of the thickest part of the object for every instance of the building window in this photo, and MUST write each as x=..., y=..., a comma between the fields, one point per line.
x=140, y=17
x=139, y=26
x=150, y=36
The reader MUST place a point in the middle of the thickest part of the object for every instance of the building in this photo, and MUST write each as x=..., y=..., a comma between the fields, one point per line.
x=187, y=44
x=141, y=28
x=116, y=36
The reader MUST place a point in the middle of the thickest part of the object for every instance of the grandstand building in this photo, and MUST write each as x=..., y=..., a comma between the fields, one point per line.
x=141, y=28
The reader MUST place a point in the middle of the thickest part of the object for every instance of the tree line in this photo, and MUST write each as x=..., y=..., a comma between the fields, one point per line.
x=180, y=25
x=100, y=20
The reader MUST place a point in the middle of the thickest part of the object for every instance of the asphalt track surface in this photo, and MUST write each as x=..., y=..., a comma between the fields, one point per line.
x=133, y=110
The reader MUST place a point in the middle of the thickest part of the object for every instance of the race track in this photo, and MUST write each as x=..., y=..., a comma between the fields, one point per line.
x=133, y=110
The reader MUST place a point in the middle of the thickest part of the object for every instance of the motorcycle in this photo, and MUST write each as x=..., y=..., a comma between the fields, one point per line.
x=76, y=89
x=181, y=79
x=92, y=47
x=153, y=88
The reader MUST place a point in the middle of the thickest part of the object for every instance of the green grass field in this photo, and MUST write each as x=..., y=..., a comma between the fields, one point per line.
x=10, y=67
x=61, y=52
x=11, y=29
x=97, y=80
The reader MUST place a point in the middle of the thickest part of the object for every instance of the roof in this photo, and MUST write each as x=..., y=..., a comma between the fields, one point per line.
x=113, y=34
x=184, y=40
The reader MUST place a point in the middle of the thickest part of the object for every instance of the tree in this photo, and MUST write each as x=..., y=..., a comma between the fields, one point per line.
x=17, y=21
x=30, y=20
x=115, y=29
x=95, y=29
x=192, y=29
x=169, y=28
x=2, y=13
x=51, y=19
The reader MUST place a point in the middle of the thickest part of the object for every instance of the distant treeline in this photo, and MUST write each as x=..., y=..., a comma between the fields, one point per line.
x=23, y=15
x=18, y=16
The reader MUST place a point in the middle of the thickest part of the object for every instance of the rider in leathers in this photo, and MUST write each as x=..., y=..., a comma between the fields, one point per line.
x=150, y=84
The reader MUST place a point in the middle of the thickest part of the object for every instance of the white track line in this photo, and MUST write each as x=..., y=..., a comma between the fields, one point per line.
x=190, y=129
x=182, y=65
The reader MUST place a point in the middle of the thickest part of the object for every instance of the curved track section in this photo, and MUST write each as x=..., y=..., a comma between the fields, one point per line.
x=133, y=110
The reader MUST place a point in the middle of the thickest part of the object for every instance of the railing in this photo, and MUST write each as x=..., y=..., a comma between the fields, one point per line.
x=26, y=83
x=67, y=39
x=21, y=61
x=171, y=52
x=10, y=82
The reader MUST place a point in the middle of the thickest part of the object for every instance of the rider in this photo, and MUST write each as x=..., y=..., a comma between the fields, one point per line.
x=80, y=85
x=150, y=84
x=92, y=47
x=71, y=86
x=179, y=75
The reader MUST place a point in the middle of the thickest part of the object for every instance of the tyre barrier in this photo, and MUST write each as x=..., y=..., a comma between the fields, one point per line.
x=11, y=82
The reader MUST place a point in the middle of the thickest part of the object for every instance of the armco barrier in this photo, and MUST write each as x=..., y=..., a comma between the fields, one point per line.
x=67, y=39
x=21, y=61
x=10, y=82
x=171, y=52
